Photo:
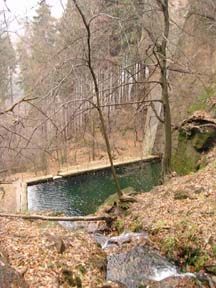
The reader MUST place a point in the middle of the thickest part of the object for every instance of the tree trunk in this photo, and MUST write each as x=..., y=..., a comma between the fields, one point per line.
x=165, y=93
x=97, y=94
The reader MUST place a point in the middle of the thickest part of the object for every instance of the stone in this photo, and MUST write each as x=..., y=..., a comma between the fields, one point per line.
x=111, y=284
x=139, y=265
x=174, y=282
x=9, y=277
x=211, y=269
x=197, y=134
x=183, y=194
x=125, y=237
x=204, y=140
x=214, y=279
x=57, y=241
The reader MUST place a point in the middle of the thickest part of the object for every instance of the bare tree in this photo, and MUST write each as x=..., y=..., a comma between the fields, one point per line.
x=162, y=48
x=96, y=90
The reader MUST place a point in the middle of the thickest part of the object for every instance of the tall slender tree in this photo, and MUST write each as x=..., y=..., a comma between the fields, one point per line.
x=7, y=67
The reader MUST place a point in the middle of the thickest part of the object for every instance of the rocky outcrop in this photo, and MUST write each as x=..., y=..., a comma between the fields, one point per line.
x=197, y=134
x=201, y=128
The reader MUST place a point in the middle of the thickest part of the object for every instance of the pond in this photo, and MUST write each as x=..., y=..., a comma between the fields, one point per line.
x=83, y=194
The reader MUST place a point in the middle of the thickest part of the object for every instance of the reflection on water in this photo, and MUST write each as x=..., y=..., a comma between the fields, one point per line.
x=82, y=194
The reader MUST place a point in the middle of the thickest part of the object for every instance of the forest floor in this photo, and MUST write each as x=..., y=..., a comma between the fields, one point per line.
x=180, y=217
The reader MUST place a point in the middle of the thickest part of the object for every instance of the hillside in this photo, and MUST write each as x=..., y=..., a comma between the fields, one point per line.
x=179, y=217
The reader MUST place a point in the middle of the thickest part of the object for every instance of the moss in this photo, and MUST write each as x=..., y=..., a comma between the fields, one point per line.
x=158, y=226
x=124, y=205
x=169, y=245
x=211, y=269
x=193, y=257
x=186, y=251
x=81, y=268
x=203, y=141
x=136, y=226
x=180, y=195
x=188, y=155
x=119, y=225
x=113, y=198
x=186, y=158
x=214, y=250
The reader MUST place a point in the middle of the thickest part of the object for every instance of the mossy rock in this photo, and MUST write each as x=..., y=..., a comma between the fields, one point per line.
x=196, y=135
x=114, y=197
x=186, y=158
x=181, y=195
x=205, y=140
x=211, y=269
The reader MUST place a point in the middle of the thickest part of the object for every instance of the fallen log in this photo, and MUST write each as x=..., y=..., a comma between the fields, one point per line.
x=5, y=182
x=106, y=218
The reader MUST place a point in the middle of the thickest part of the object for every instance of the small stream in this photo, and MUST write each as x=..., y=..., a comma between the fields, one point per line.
x=141, y=265
x=138, y=265
x=83, y=194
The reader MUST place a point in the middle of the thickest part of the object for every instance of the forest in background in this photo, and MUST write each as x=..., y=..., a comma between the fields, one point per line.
x=52, y=119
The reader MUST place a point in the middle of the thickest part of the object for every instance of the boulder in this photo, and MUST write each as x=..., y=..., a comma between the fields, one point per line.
x=197, y=134
x=9, y=277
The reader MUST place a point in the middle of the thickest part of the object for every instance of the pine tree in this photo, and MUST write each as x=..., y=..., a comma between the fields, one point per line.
x=7, y=66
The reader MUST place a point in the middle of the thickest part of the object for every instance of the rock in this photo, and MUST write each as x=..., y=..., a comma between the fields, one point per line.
x=9, y=277
x=99, y=262
x=57, y=241
x=211, y=269
x=204, y=139
x=174, y=282
x=90, y=227
x=183, y=194
x=138, y=265
x=111, y=284
x=197, y=134
x=199, y=190
x=214, y=279
x=130, y=237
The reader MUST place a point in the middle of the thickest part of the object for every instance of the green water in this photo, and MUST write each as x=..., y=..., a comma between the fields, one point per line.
x=82, y=194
